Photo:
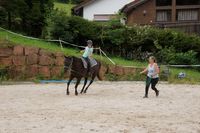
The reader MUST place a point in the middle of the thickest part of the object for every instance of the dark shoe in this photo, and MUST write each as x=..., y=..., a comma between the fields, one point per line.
x=157, y=93
x=145, y=97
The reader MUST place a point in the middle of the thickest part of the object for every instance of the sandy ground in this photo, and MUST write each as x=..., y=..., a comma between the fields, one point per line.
x=109, y=107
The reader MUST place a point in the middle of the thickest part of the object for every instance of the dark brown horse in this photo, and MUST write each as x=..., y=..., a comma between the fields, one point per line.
x=75, y=66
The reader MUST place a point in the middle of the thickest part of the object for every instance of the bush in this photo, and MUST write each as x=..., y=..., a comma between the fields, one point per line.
x=136, y=42
x=2, y=16
x=171, y=56
x=187, y=58
x=72, y=29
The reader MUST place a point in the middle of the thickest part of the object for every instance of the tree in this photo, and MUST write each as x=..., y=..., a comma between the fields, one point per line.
x=28, y=16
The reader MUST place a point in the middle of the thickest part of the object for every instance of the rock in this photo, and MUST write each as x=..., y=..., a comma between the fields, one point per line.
x=103, y=71
x=58, y=54
x=6, y=52
x=111, y=69
x=56, y=71
x=32, y=59
x=59, y=61
x=31, y=50
x=45, y=60
x=128, y=71
x=18, y=50
x=32, y=70
x=6, y=61
x=44, y=71
x=45, y=52
x=117, y=70
x=19, y=60
x=17, y=72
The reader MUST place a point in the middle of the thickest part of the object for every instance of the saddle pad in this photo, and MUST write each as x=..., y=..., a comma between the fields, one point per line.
x=93, y=62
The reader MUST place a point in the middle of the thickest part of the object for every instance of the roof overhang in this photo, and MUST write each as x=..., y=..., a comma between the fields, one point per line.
x=82, y=4
x=132, y=5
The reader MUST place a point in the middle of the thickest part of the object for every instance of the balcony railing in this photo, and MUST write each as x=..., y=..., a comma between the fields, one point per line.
x=178, y=7
x=188, y=27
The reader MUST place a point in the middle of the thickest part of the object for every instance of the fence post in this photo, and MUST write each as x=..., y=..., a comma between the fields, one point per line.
x=60, y=44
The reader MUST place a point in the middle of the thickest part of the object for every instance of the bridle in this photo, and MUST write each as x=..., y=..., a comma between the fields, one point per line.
x=70, y=65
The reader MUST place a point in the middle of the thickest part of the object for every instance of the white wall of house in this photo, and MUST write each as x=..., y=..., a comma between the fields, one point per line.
x=103, y=7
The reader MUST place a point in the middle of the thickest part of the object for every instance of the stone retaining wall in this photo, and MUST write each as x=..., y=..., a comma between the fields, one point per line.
x=29, y=62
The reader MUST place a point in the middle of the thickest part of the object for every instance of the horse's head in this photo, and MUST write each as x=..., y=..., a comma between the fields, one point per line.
x=68, y=62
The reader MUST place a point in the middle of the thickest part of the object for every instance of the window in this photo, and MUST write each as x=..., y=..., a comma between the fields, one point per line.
x=103, y=17
x=163, y=2
x=187, y=15
x=163, y=16
x=188, y=2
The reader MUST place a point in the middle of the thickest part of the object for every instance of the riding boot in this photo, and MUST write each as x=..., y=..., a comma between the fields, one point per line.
x=146, y=92
x=88, y=68
x=145, y=96
x=157, y=93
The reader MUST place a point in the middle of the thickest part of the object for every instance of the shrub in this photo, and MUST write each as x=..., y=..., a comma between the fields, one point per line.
x=60, y=27
x=171, y=56
x=72, y=29
x=136, y=42
x=187, y=58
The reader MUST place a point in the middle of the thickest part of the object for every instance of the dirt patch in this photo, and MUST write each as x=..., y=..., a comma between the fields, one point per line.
x=113, y=107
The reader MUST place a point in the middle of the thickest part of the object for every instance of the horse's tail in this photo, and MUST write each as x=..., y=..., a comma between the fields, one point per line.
x=98, y=74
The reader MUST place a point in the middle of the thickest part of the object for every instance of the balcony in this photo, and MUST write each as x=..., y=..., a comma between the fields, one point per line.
x=188, y=27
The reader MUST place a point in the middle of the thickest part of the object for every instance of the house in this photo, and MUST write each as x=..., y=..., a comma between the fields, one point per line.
x=99, y=10
x=181, y=14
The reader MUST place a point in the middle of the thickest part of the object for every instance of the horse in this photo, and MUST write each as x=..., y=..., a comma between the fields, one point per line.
x=77, y=70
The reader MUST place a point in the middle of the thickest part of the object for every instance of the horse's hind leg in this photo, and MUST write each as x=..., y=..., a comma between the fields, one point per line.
x=70, y=79
x=76, y=86
x=85, y=82
x=85, y=91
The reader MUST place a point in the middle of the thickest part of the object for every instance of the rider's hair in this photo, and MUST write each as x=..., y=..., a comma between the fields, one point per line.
x=89, y=42
x=153, y=58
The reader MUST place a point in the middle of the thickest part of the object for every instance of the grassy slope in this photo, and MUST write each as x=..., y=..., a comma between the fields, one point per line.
x=56, y=47
x=65, y=7
x=193, y=76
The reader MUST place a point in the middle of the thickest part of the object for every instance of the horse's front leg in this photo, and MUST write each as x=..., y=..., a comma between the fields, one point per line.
x=85, y=82
x=76, y=86
x=70, y=79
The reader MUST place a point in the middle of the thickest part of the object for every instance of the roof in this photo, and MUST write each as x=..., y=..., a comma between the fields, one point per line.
x=132, y=5
x=82, y=4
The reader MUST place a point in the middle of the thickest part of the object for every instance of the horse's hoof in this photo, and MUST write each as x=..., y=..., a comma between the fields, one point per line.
x=85, y=92
x=67, y=93
x=76, y=94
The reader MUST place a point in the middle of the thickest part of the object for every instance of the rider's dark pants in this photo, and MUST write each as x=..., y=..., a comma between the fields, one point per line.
x=88, y=62
x=152, y=82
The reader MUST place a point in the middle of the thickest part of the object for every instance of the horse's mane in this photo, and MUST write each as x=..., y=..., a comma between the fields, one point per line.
x=76, y=58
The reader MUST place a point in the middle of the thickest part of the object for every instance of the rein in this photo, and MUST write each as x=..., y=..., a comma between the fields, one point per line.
x=70, y=67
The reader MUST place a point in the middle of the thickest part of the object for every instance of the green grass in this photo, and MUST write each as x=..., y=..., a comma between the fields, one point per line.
x=64, y=7
x=55, y=47
x=192, y=76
